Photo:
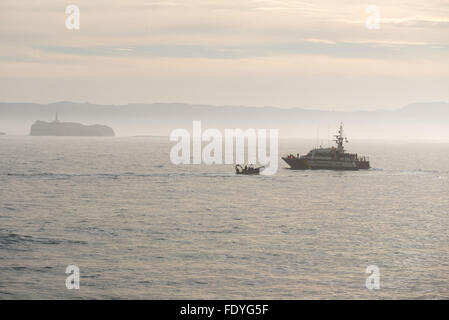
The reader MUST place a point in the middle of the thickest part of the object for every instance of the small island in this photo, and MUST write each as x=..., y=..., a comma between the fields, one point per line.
x=58, y=128
x=2, y=134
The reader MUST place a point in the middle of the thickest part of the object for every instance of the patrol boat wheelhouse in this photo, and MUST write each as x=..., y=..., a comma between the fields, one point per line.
x=334, y=158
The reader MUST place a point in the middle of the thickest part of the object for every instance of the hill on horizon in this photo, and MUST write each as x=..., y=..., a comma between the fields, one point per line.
x=414, y=121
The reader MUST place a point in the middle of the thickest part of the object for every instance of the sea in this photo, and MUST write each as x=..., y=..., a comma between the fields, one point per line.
x=139, y=227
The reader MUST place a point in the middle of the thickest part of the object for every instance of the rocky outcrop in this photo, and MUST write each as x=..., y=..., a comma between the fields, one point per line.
x=57, y=128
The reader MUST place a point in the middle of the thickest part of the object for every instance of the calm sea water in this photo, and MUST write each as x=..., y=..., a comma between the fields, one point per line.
x=140, y=227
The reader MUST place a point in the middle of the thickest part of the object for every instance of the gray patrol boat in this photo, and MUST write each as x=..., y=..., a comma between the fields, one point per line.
x=334, y=158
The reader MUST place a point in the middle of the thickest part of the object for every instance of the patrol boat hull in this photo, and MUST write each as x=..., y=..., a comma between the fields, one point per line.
x=304, y=164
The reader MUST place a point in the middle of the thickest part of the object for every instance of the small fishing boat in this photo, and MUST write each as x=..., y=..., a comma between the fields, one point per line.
x=247, y=169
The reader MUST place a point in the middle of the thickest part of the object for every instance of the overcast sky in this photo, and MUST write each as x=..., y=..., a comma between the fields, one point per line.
x=283, y=53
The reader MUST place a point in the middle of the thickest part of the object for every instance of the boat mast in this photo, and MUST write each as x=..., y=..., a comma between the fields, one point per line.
x=339, y=139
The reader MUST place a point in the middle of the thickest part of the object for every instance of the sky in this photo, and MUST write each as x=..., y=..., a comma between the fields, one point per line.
x=283, y=53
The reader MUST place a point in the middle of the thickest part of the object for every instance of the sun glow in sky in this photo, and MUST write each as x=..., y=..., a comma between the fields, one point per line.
x=284, y=53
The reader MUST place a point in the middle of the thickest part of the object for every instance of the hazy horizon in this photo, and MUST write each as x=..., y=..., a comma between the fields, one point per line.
x=419, y=121
x=218, y=105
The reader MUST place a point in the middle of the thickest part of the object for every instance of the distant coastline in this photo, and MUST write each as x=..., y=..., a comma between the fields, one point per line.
x=149, y=136
x=419, y=121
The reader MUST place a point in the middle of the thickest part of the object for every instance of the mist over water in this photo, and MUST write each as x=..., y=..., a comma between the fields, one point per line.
x=419, y=121
x=139, y=227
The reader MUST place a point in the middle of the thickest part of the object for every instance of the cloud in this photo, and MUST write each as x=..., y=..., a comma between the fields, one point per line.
x=417, y=21
x=325, y=41
x=372, y=49
x=274, y=5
